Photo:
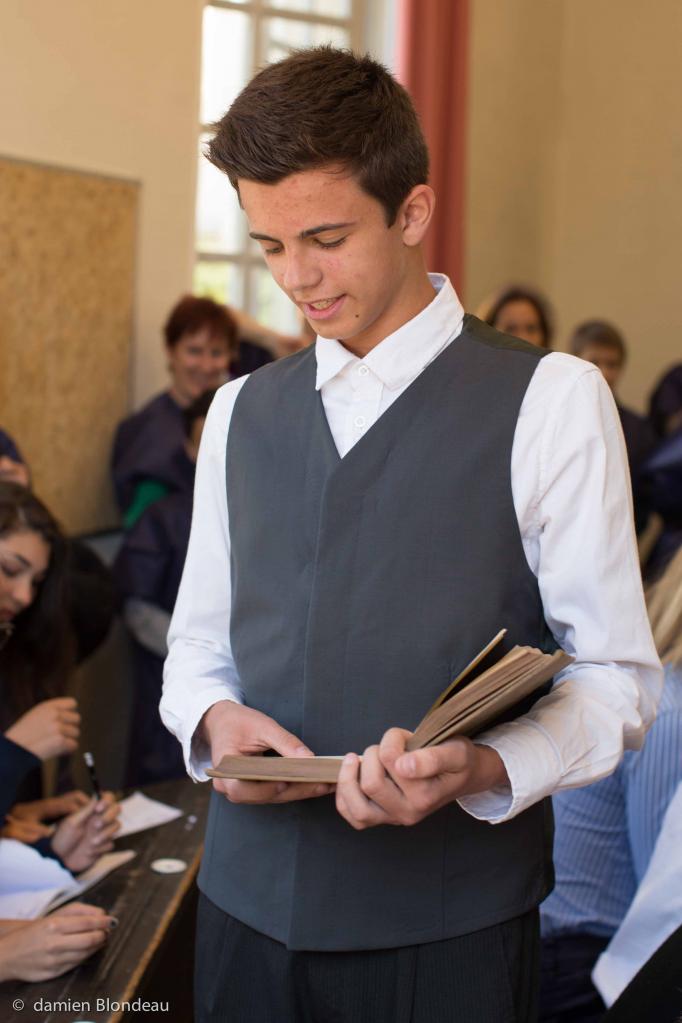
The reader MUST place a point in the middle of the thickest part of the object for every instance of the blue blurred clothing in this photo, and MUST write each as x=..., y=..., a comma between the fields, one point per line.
x=606, y=832
x=150, y=445
x=15, y=763
x=9, y=449
x=604, y=838
x=666, y=399
x=148, y=568
x=662, y=477
x=640, y=441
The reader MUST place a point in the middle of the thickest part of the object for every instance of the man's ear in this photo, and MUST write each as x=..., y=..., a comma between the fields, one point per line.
x=415, y=214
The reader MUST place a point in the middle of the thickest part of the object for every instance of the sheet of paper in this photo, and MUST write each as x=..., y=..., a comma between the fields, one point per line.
x=139, y=812
x=28, y=881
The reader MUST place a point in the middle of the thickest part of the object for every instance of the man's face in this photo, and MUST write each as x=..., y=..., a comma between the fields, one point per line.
x=605, y=358
x=328, y=247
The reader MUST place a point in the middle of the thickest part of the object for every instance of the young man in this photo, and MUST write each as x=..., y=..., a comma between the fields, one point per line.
x=368, y=513
x=600, y=343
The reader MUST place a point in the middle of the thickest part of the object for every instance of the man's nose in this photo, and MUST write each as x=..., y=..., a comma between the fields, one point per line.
x=301, y=272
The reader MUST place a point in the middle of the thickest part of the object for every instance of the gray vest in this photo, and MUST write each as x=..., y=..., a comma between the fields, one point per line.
x=361, y=586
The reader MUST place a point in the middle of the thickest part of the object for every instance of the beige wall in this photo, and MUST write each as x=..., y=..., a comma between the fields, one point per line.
x=511, y=145
x=575, y=164
x=114, y=88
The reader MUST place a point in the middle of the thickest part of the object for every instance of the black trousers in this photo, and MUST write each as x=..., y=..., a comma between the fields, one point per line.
x=242, y=976
x=567, y=994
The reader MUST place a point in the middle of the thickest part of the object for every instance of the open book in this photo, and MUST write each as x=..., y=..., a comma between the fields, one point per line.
x=465, y=712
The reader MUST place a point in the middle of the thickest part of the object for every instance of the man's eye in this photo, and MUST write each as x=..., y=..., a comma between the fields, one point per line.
x=331, y=245
x=273, y=251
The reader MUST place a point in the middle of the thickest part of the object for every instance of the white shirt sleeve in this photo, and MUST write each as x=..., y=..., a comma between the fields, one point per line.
x=200, y=670
x=572, y=496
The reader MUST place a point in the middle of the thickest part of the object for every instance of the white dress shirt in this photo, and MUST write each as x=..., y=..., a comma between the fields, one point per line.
x=572, y=499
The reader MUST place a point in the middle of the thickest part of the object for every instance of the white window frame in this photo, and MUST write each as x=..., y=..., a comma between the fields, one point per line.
x=247, y=257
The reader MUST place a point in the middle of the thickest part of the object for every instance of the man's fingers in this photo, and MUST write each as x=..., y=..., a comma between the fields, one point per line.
x=248, y=791
x=283, y=742
x=302, y=790
x=432, y=761
x=393, y=745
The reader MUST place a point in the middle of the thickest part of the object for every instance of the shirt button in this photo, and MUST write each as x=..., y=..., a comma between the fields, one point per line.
x=359, y=421
x=363, y=370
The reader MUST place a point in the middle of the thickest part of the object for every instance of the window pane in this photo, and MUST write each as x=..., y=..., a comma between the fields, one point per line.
x=226, y=60
x=222, y=281
x=281, y=36
x=270, y=305
x=327, y=8
x=220, y=223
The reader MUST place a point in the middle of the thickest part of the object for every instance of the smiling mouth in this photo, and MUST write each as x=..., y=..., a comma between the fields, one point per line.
x=323, y=303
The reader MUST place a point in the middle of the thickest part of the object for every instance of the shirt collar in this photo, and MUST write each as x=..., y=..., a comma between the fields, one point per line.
x=402, y=355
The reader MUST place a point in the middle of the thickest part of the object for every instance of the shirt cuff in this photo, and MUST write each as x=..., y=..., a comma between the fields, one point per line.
x=533, y=766
x=195, y=750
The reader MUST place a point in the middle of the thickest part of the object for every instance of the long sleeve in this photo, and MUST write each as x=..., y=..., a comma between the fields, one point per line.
x=572, y=497
x=652, y=776
x=200, y=670
x=655, y=913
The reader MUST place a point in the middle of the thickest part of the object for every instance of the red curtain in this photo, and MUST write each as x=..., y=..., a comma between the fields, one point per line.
x=431, y=63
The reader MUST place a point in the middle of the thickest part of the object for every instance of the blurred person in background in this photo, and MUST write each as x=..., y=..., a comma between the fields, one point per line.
x=602, y=344
x=662, y=472
x=207, y=344
x=38, y=645
x=12, y=466
x=148, y=570
x=605, y=834
x=520, y=311
x=665, y=403
x=89, y=590
x=149, y=457
x=45, y=948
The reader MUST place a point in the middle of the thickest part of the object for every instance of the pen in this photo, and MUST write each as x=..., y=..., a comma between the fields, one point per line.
x=90, y=764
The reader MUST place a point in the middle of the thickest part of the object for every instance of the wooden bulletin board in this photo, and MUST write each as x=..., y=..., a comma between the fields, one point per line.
x=67, y=255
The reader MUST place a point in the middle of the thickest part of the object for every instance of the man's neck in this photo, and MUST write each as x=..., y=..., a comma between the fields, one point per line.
x=414, y=296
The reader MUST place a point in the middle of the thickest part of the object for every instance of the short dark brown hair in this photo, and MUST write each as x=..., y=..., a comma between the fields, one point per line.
x=597, y=332
x=191, y=314
x=321, y=107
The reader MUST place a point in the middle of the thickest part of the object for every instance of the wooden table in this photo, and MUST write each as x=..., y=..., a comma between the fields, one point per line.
x=150, y=954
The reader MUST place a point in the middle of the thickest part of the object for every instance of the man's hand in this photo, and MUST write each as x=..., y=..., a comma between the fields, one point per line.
x=48, y=729
x=230, y=728
x=391, y=786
